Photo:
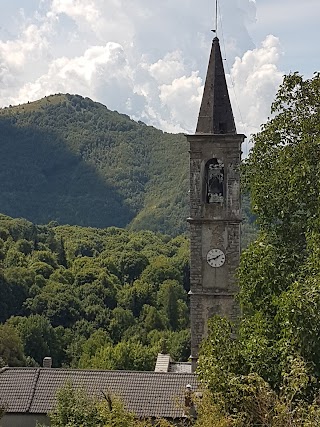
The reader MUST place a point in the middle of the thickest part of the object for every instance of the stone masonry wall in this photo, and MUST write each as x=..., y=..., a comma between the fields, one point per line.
x=215, y=225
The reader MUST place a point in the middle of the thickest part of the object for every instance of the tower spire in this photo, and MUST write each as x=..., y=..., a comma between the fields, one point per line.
x=215, y=115
x=215, y=210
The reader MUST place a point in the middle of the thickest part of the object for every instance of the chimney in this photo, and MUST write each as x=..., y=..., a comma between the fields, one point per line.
x=47, y=362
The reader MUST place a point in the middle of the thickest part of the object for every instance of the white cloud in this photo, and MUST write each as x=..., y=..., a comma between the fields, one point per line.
x=78, y=9
x=143, y=58
x=83, y=74
x=256, y=79
x=182, y=98
x=168, y=68
x=15, y=53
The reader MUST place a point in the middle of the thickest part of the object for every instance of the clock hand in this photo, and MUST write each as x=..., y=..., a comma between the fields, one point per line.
x=214, y=257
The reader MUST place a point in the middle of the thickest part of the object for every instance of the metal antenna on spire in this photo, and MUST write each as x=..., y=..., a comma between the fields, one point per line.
x=216, y=16
x=216, y=20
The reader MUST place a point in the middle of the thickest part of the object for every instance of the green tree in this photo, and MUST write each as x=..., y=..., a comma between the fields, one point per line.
x=152, y=318
x=121, y=320
x=170, y=291
x=282, y=174
x=96, y=340
x=269, y=375
x=125, y=355
x=20, y=280
x=58, y=302
x=131, y=265
x=59, y=306
x=159, y=270
x=282, y=171
x=38, y=337
x=134, y=297
x=236, y=397
x=11, y=348
x=5, y=298
x=74, y=408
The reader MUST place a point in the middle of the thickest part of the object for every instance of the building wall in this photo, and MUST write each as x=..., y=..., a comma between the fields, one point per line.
x=23, y=420
x=213, y=225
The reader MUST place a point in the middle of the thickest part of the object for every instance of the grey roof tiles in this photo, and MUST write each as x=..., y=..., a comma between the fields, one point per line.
x=147, y=394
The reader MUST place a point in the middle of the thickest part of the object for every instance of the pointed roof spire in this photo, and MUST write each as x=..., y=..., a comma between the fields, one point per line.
x=215, y=115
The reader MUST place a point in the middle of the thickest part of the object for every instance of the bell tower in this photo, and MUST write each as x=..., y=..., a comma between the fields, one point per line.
x=215, y=212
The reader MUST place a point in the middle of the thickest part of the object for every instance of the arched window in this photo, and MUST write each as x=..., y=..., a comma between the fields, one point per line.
x=214, y=177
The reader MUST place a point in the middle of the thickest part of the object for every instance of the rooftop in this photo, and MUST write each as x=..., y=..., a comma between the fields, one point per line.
x=146, y=394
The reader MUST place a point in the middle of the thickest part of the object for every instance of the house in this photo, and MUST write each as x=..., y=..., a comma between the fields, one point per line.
x=28, y=394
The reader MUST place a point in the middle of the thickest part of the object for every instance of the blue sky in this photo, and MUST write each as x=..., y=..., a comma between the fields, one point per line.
x=148, y=58
x=296, y=23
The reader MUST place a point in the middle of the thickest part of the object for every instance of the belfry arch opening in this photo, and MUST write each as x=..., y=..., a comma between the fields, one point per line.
x=214, y=181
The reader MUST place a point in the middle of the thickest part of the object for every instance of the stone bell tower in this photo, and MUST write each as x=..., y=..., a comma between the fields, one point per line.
x=215, y=212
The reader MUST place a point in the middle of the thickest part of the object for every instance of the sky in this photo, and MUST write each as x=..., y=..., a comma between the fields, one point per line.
x=148, y=58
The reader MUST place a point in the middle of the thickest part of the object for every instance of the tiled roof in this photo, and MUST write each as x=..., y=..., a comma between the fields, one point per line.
x=147, y=394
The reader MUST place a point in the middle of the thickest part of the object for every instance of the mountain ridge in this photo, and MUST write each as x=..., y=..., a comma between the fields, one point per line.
x=69, y=159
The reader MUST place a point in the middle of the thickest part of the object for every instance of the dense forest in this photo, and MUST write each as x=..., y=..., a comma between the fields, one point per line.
x=68, y=159
x=105, y=297
x=91, y=298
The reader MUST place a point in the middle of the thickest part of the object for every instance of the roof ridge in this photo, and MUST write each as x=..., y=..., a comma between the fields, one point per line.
x=3, y=369
x=25, y=368
x=36, y=377
x=117, y=371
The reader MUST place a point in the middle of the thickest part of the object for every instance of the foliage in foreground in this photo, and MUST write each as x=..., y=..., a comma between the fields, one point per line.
x=74, y=408
x=2, y=411
x=270, y=374
x=238, y=397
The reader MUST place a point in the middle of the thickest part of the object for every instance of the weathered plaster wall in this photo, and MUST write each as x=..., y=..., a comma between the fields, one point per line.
x=23, y=420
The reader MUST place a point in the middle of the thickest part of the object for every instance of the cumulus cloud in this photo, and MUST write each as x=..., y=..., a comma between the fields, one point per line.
x=182, y=98
x=144, y=58
x=255, y=79
x=78, y=9
x=168, y=68
x=84, y=74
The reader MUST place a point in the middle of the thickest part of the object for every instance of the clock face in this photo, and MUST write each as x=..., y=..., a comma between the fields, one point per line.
x=215, y=258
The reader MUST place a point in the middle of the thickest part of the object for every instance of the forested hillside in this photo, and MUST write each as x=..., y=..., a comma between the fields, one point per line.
x=70, y=159
x=91, y=298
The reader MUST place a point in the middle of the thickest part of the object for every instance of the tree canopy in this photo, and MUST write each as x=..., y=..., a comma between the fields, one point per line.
x=99, y=298
x=270, y=373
